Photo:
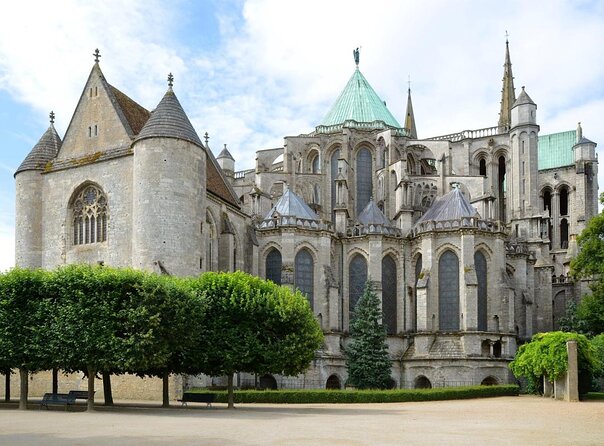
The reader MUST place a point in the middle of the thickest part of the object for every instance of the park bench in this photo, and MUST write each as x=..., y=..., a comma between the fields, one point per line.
x=190, y=397
x=79, y=394
x=58, y=399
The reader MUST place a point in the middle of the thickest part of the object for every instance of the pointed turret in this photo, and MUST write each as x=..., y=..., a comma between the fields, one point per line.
x=410, y=118
x=508, y=93
x=44, y=151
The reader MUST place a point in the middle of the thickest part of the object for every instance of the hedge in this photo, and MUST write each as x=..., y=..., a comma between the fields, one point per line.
x=363, y=396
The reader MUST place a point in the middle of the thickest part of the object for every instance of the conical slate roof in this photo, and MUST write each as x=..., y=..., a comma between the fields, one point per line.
x=224, y=153
x=523, y=98
x=372, y=215
x=291, y=205
x=451, y=206
x=45, y=150
x=359, y=102
x=169, y=120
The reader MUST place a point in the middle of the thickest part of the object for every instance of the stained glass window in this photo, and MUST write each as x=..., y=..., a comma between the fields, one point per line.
x=90, y=216
x=334, y=174
x=389, y=288
x=304, y=274
x=273, y=266
x=480, y=263
x=364, y=179
x=357, y=276
x=448, y=292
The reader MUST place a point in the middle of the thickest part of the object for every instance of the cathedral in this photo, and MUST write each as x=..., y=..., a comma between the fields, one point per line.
x=466, y=237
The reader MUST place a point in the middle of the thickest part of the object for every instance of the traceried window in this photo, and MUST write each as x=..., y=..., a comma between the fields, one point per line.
x=448, y=292
x=389, y=287
x=304, y=274
x=90, y=216
x=334, y=174
x=364, y=179
x=357, y=276
x=273, y=266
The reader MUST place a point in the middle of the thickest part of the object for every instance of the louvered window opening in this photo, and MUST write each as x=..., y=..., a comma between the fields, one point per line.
x=357, y=276
x=480, y=263
x=364, y=179
x=90, y=217
x=273, y=266
x=448, y=292
x=304, y=274
x=389, y=287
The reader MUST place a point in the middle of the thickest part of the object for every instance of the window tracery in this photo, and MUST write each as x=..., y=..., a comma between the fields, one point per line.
x=90, y=215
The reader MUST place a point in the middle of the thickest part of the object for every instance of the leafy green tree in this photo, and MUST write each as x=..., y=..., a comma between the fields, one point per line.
x=252, y=325
x=24, y=328
x=598, y=345
x=571, y=321
x=367, y=358
x=546, y=355
x=590, y=260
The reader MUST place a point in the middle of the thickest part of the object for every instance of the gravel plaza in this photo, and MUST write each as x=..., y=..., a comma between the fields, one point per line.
x=523, y=420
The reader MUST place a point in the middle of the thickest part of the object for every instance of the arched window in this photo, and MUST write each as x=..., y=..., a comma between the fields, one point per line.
x=564, y=233
x=418, y=271
x=364, y=179
x=357, y=276
x=547, y=201
x=483, y=167
x=315, y=164
x=501, y=187
x=273, y=266
x=410, y=164
x=448, y=292
x=212, y=246
x=304, y=274
x=334, y=174
x=480, y=263
x=564, y=201
x=90, y=214
x=389, y=288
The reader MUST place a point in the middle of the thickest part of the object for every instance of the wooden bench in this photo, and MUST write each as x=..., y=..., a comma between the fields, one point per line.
x=57, y=399
x=79, y=394
x=190, y=397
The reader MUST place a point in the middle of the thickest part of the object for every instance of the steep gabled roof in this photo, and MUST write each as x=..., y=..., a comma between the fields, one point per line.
x=291, y=205
x=44, y=151
x=359, y=102
x=556, y=150
x=216, y=183
x=136, y=115
x=169, y=120
x=451, y=206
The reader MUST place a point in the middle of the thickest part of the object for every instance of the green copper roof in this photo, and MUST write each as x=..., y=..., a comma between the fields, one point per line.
x=556, y=150
x=359, y=102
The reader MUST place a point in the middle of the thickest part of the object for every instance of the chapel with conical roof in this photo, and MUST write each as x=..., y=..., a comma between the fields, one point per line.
x=466, y=237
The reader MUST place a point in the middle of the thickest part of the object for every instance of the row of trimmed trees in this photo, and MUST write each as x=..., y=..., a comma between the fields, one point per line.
x=101, y=320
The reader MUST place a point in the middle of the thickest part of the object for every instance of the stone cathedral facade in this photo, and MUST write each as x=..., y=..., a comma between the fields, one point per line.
x=467, y=237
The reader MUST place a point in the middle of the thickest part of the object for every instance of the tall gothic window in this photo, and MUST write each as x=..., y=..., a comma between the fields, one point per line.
x=418, y=271
x=364, y=179
x=448, y=292
x=304, y=274
x=389, y=288
x=273, y=266
x=334, y=174
x=315, y=165
x=357, y=276
x=483, y=167
x=90, y=216
x=480, y=263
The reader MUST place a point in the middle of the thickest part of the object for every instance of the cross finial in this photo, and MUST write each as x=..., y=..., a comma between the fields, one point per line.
x=206, y=137
x=506, y=36
x=409, y=81
x=355, y=53
x=170, y=80
x=96, y=55
x=52, y=117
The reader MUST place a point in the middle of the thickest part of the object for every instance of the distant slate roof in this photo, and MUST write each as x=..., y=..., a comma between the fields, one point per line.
x=291, y=205
x=372, y=215
x=359, y=102
x=225, y=153
x=556, y=150
x=451, y=206
x=169, y=120
x=136, y=115
x=216, y=182
x=45, y=150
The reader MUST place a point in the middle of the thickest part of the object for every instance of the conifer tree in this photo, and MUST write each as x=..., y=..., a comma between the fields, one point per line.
x=367, y=359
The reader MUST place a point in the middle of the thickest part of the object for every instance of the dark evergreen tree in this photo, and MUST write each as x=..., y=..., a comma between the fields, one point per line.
x=367, y=359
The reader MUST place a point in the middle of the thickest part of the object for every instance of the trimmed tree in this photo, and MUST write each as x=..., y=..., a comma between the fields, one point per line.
x=367, y=358
x=24, y=327
x=254, y=326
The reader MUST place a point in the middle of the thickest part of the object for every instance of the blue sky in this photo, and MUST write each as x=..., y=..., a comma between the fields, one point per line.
x=251, y=72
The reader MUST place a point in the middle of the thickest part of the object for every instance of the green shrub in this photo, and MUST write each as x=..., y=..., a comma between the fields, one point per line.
x=364, y=396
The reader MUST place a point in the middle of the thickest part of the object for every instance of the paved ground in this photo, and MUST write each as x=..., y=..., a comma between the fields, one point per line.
x=523, y=420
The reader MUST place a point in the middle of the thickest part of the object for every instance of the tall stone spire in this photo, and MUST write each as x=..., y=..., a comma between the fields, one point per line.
x=410, y=118
x=508, y=94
